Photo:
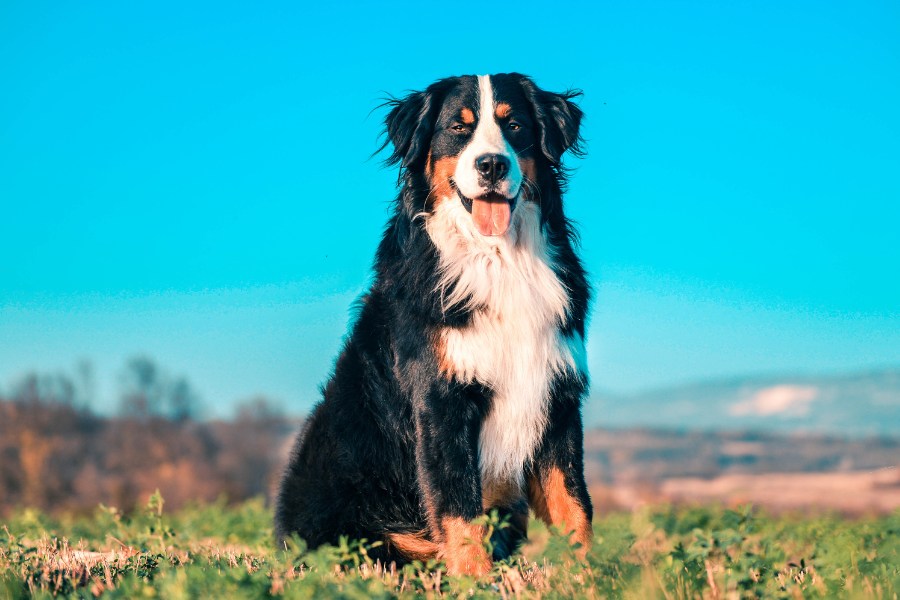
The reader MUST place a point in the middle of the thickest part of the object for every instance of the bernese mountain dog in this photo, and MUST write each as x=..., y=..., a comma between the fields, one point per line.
x=459, y=388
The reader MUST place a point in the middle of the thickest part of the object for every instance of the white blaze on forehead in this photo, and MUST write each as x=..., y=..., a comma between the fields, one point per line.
x=488, y=134
x=486, y=139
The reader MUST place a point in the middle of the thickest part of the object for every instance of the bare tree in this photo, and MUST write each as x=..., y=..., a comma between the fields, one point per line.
x=86, y=388
x=143, y=387
x=183, y=403
x=35, y=388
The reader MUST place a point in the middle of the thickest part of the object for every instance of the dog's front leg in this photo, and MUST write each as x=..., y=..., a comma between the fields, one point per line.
x=448, y=422
x=556, y=489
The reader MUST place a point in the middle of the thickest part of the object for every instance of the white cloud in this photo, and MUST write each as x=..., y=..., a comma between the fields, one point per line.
x=787, y=400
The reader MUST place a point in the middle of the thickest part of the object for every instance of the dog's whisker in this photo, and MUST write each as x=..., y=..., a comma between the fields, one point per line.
x=519, y=153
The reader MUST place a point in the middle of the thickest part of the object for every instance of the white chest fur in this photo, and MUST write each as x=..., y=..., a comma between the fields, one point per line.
x=513, y=344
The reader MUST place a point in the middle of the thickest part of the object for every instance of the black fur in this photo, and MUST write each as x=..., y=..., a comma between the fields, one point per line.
x=393, y=445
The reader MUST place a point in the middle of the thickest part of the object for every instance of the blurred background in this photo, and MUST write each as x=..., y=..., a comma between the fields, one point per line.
x=189, y=207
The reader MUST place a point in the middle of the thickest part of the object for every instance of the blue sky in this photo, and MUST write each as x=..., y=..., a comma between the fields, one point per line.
x=194, y=183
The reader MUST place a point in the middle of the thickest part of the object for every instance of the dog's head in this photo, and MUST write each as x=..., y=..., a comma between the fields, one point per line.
x=488, y=142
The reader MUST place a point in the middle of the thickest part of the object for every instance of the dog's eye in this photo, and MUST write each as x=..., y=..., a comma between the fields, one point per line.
x=513, y=126
x=459, y=127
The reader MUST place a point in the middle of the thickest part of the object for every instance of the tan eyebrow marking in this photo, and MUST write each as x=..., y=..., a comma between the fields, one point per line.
x=503, y=110
x=468, y=117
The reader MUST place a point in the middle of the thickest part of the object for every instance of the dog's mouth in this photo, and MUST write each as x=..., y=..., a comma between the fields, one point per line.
x=491, y=212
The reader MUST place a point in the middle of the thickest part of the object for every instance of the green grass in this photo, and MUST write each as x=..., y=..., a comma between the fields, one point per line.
x=219, y=551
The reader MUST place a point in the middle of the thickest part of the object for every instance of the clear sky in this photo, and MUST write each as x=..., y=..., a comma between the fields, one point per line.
x=191, y=181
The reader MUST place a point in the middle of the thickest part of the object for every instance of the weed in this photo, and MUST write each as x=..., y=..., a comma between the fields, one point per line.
x=219, y=551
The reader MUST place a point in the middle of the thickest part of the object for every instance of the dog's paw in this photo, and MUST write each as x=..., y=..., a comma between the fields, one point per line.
x=467, y=560
x=463, y=551
x=584, y=537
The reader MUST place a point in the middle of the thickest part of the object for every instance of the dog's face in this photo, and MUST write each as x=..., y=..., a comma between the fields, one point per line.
x=483, y=149
x=486, y=142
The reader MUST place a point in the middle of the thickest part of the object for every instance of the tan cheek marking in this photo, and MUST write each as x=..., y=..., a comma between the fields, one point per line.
x=468, y=117
x=554, y=505
x=462, y=549
x=502, y=111
x=529, y=172
x=440, y=180
x=529, y=168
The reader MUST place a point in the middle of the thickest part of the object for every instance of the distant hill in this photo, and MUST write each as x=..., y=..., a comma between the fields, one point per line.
x=782, y=471
x=859, y=404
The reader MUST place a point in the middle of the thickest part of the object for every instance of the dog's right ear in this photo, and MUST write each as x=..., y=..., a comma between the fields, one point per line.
x=410, y=125
x=408, y=128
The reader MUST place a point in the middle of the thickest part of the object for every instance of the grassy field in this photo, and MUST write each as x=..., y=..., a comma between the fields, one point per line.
x=218, y=551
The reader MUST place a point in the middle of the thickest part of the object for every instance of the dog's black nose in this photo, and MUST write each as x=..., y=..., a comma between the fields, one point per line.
x=492, y=167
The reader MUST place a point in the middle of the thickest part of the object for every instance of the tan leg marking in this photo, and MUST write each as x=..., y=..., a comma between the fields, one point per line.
x=507, y=495
x=446, y=368
x=414, y=546
x=554, y=505
x=495, y=494
x=462, y=549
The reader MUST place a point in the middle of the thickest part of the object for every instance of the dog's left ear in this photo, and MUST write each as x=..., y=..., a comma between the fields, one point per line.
x=559, y=120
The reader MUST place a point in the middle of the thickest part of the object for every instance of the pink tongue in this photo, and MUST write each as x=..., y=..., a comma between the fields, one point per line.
x=491, y=217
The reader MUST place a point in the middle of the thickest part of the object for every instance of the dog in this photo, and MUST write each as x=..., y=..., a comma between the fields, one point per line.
x=458, y=390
